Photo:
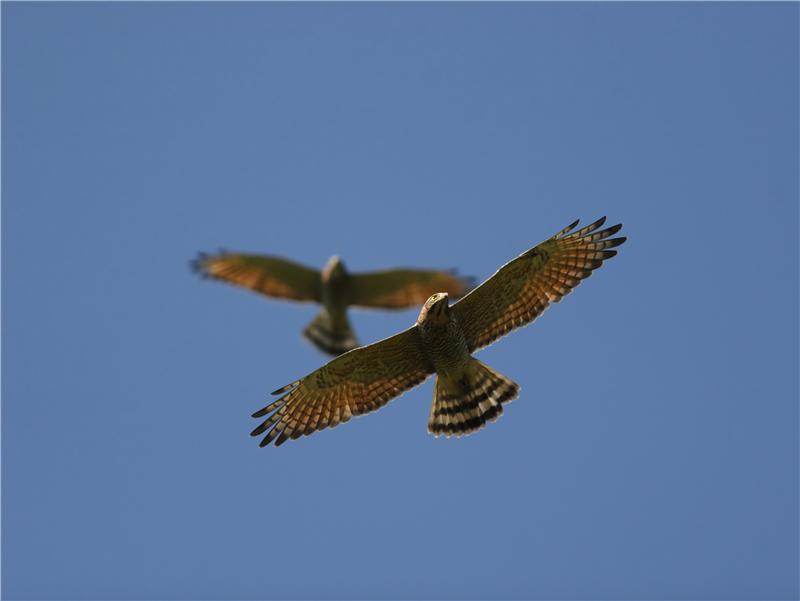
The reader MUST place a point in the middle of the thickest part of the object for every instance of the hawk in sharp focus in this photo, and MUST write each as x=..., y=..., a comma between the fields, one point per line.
x=467, y=392
x=334, y=288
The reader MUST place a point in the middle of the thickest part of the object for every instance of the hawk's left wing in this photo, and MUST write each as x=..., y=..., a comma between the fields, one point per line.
x=272, y=276
x=401, y=288
x=357, y=382
x=523, y=288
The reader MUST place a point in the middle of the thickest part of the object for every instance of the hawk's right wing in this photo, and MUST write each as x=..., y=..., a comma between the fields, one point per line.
x=401, y=288
x=357, y=382
x=524, y=287
x=272, y=276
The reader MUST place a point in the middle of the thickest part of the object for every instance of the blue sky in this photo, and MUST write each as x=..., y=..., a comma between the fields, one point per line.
x=653, y=452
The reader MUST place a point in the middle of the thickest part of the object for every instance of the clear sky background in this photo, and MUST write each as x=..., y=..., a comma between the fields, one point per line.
x=653, y=452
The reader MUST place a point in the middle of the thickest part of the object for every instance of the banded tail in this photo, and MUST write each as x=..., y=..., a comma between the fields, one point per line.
x=331, y=334
x=464, y=406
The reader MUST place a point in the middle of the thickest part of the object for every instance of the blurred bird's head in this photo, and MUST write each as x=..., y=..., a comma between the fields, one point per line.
x=436, y=309
x=333, y=269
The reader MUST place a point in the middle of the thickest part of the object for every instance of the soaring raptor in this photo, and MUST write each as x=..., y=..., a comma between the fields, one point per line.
x=467, y=392
x=334, y=288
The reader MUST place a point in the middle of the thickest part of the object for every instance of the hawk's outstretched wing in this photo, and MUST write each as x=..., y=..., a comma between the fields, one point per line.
x=357, y=382
x=401, y=288
x=272, y=276
x=523, y=288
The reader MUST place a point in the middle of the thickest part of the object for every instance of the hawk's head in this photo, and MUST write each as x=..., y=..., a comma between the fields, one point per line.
x=334, y=269
x=436, y=309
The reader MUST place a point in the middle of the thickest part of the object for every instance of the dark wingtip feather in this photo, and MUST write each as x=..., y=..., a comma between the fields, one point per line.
x=269, y=437
x=612, y=242
x=198, y=264
x=259, y=429
x=273, y=406
x=283, y=389
x=566, y=230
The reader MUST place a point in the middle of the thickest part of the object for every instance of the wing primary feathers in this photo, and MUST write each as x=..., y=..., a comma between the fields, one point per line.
x=589, y=228
x=263, y=426
x=198, y=265
x=285, y=388
x=567, y=229
x=596, y=235
x=523, y=288
x=610, y=231
x=271, y=407
x=268, y=275
x=352, y=384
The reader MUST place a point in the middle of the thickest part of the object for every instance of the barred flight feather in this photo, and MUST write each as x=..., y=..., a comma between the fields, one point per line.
x=355, y=383
x=525, y=287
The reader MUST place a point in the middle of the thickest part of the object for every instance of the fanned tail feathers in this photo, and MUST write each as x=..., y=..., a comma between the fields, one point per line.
x=333, y=336
x=466, y=405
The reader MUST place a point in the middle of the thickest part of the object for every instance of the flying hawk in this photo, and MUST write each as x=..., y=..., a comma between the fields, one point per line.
x=334, y=288
x=467, y=393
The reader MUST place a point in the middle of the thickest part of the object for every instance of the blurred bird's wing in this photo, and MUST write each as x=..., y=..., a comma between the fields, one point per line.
x=523, y=288
x=400, y=288
x=357, y=382
x=272, y=276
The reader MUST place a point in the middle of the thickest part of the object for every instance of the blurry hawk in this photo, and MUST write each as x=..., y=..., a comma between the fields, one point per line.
x=334, y=288
x=467, y=393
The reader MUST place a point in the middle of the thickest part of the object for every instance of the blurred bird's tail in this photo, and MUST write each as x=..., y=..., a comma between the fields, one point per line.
x=465, y=405
x=331, y=333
